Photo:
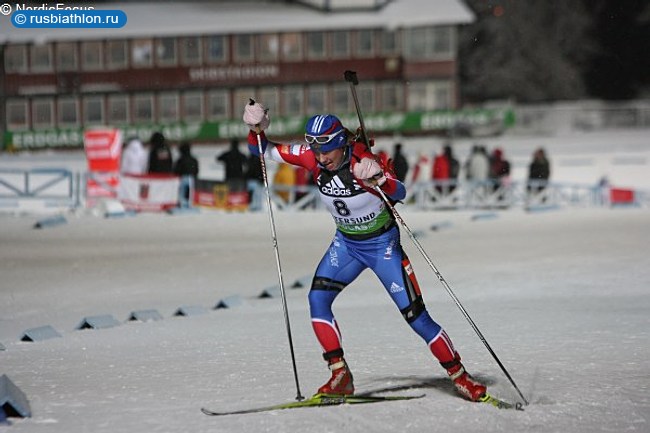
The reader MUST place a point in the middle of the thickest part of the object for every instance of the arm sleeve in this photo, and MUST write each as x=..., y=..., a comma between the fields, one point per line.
x=393, y=188
x=294, y=154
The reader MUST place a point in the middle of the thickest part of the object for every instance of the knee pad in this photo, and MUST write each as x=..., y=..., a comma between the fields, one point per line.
x=321, y=296
x=413, y=311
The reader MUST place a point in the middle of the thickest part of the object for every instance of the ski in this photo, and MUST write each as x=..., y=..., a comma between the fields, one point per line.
x=500, y=404
x=316, y=400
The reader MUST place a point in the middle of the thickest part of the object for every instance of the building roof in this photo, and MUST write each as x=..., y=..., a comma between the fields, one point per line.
x=146, y=19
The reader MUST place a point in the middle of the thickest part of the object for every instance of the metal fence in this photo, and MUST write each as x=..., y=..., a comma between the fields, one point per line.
x=61, y=188
x=458, y=195
x=40, y=187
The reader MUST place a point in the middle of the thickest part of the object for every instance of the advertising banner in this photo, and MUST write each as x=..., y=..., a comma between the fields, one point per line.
x=221, y=195
x=103, y=151
x=152, y=193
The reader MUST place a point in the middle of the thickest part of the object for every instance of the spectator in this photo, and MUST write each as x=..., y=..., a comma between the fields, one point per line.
x=422, y=170
x=400, y=164
x=499, y=168
x=445, y=170
x=454, y=167
x=187, y=168
x=440, y=167
x=160, y=155
x=235, y=162
x=478, y=165
x=283, y=181
x=539, y=172
x=254, y=182
x=134, y=157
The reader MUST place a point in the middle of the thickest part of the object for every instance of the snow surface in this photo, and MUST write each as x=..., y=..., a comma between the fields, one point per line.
x=561, y=296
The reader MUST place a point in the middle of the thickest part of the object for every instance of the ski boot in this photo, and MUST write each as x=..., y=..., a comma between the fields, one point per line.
x=465, y=384
x=341, y=382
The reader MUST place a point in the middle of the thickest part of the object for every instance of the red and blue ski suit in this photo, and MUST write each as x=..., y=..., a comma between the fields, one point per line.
x=366, y=237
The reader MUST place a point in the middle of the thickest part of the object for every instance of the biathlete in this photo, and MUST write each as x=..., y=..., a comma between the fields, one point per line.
x=367, y=236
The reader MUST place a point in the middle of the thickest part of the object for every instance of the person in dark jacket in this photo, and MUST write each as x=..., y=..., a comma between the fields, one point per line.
x=454, y=167
x=235, y=162
x=254, y=182
x=187, y=168
x=160, y=155
x=539, y=172
x=400, y=164
x=499, y=168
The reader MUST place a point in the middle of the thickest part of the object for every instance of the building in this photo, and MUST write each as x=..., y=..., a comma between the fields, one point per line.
x=187, y=68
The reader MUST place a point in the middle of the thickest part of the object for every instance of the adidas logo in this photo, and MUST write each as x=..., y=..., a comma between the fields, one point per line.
x=395, y=288
x=335, y=188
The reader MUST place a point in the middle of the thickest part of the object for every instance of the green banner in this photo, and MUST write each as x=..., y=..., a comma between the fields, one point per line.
x=377, y=123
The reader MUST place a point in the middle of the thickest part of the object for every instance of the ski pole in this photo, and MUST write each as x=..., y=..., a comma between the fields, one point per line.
x=274, y=237
x=351, y=77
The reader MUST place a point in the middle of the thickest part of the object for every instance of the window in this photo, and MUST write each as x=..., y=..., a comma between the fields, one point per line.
x=442, y=41
x=166, y=51
x=429, y=95
x=116, y=54
x=291, y=46
x=243, y=47
x=93, y=107
x=218, y=105
x=91, y=56
x=118, y=109
x=270, y=97
x=41, y=58
x=269, y=47
x=366, y=94
x=216, y=49
x=66, y=56
x=292, y=101
x=442, y=95
x=68, y=112
x=391, y=97
x=366, y=43
x=168, y=109
x=191, y=50
x=143, y=108
x=17, y=114
x=241, y=95
x=416, y=43
x=42, y=113
x=340, y=44
x=316, y=99
x=193, y=106
x=429, y=42
x=16, y=58
x=316, y=45
x=389, y=43
x=341, y=99
x=141, y=53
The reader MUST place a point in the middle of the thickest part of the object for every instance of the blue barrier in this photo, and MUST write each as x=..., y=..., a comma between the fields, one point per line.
x=13, y=402
x=41, y=333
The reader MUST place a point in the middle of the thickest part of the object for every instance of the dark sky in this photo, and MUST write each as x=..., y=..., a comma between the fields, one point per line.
x=621, y=69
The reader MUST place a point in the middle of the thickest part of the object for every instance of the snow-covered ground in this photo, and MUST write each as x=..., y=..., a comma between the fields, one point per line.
x=561, y=296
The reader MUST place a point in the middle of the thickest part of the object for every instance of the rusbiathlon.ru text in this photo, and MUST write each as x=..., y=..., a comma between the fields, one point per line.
x=61, y=15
